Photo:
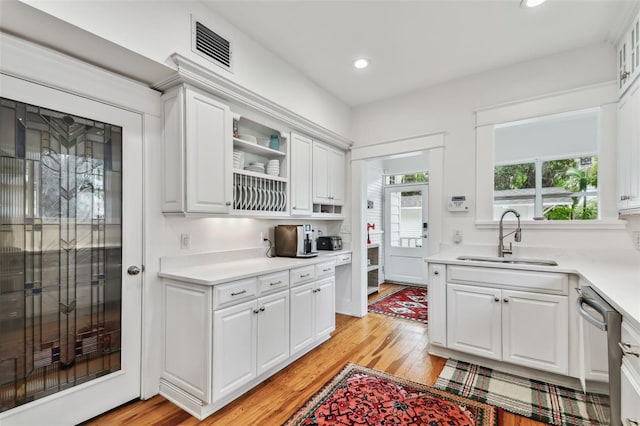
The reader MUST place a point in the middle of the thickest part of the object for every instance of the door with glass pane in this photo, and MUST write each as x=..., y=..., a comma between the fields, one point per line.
x=406, y=233
x=70, y=226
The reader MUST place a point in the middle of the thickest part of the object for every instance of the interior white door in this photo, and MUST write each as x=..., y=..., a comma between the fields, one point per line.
x=80, y=317
x=406, y=233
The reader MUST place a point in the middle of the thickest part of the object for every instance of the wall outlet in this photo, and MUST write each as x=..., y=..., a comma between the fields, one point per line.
x=457, y=236
x=185, y=241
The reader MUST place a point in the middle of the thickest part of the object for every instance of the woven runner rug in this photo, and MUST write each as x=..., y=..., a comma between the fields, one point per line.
x=530, y=398
x=363, y=396
x=406, y=302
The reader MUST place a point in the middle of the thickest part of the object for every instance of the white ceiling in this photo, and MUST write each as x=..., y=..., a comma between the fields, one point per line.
x=417, y=44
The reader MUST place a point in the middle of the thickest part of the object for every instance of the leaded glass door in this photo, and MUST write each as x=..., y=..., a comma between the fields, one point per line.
x=70, y=315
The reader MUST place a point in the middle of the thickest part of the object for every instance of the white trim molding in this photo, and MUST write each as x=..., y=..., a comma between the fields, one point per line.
x=558, y=224
x=195, y=74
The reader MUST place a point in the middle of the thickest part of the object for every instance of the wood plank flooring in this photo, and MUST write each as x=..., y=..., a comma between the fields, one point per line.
x=393, y=345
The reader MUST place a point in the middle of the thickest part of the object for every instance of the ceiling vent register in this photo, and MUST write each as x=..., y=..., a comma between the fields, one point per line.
x=211, y=45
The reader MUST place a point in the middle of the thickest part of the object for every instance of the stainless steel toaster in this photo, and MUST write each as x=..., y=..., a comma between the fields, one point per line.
x=329, y=243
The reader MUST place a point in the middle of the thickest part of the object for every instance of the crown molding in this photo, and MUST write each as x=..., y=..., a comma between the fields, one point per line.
x=190, y=72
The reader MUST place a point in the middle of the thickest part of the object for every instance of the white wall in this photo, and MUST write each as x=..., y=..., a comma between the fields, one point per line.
x=157, y=29
x=450, y=108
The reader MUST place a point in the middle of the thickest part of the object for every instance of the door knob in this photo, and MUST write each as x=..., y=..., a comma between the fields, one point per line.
x=133, y=270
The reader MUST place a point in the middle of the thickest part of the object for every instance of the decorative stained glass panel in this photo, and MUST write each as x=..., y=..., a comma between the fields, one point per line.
x=60, y=251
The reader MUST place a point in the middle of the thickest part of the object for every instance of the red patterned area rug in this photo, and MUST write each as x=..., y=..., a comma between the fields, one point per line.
x=363, y=396
x=407, y=302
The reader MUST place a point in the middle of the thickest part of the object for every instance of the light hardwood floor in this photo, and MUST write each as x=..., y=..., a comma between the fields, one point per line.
x=393, y=345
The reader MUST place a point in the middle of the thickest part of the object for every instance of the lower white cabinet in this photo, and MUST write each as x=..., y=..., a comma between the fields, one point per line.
x=519, y=327
x=312, y=312
x=218, y=341
x=248, y=340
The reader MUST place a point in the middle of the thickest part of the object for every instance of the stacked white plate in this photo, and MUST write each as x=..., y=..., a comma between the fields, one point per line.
x=255, y=167
x=238, y=160
x=273, y=168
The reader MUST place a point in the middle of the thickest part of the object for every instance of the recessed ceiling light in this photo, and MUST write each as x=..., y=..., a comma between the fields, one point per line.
x=361, y=63
x=531, y=3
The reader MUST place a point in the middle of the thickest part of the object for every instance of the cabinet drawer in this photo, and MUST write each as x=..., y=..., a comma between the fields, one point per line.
x=326, y=269
x=272, y=282
x=547, y=282
x=631, y=342
x=235, y=291
x=302, y=275
x=343, y=259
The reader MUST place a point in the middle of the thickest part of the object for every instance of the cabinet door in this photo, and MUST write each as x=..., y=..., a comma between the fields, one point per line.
x=173, y=151
x=337, y=177
x=234, y=347
x=273, y=330
x=302, y=317
x=325, y=307
x=474, y=320
x=629, y=149
x=321, y=190
x=593, y=349
x=301, y=152
x=209, y=147
x=535, y=330
x=630, y=391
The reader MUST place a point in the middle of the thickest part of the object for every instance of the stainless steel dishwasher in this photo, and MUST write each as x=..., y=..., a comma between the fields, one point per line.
x=609, y=321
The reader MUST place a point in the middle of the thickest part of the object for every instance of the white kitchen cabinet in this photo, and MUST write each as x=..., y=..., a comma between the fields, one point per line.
x=527, y=328
x=474, y=320
x=248, y=340
x=630, y=391
x=629, y=150
x=437, y=304
x=196, y=152
x=301, y=165
x=234, y=347
x=312, y=312
x=535, y=330
x=629, y=55
x=328, y=180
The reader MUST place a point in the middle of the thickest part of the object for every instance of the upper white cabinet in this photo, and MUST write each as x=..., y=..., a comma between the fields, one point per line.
x=301, y=154
x=196, y=152
x=629, y=150
x=629, y=56
x=328, y=175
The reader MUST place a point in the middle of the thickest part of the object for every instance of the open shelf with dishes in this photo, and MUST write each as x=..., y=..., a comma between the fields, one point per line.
x=373, y=268
x=260, y=168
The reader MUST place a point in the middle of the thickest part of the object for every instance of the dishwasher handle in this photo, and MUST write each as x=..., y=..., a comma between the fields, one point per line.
x=582, y=300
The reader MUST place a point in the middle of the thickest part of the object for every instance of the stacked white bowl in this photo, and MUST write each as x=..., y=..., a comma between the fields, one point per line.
x=255, y=167
x=238, y=160
x=273, y=168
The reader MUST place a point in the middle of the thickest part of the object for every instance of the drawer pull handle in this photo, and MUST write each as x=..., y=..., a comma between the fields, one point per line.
x=326, y=270
x=239, y=293
x=276, y=283
x=304, y=275
x=631, y=422
x=626, y=349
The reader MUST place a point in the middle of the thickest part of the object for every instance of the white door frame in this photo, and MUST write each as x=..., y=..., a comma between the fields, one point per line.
x=68, y=76
x=412, y=277
x=357, y=305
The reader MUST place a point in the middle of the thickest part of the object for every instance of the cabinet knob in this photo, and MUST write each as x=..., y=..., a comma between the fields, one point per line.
x=436, y=272
x=505, y=300
x=262, y=308
x=624, y=197
x=255, y=311
x=624, y=75
x=228, y=203
x=496, y=299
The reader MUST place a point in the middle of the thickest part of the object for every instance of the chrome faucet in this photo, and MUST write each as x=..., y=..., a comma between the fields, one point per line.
x=517, y=237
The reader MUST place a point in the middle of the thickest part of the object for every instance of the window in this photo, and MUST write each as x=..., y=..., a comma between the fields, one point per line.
x=419, y=177
x=547, y=167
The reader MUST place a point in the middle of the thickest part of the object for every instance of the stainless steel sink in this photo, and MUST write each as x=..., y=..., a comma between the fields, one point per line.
x=512, y=260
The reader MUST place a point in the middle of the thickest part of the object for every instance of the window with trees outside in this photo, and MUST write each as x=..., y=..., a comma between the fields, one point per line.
x=547, y=168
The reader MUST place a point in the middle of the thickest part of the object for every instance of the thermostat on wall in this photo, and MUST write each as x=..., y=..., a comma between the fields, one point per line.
x=458, y=203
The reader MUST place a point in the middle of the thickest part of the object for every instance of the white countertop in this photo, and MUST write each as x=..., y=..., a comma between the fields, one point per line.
x=218, y=271
x=615, y=274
